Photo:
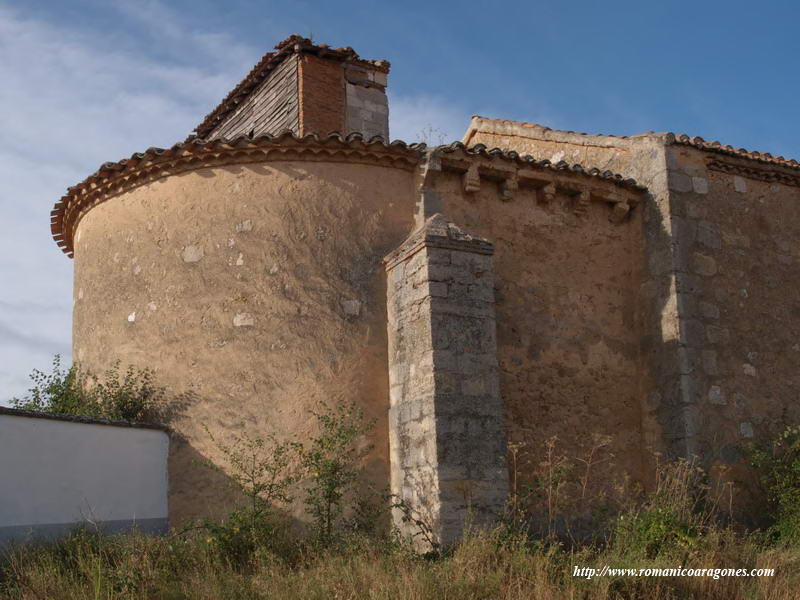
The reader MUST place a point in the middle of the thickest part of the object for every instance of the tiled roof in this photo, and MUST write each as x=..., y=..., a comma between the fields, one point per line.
x=115, y=177
x=292, y=44
x=764, y=157
x=528, y=160
x=669, y=138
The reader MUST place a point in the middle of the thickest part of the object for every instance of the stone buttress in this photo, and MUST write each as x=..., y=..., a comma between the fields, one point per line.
x=446, y=432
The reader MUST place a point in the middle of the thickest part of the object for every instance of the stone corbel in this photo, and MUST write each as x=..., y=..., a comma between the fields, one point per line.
x=620, y=208
x=548, y=193
x=509, y=187
x=472, y=179
x=582, y=205
x=619, y=212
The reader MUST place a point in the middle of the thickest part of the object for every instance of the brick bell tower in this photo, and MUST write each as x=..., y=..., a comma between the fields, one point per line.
x=305, y=88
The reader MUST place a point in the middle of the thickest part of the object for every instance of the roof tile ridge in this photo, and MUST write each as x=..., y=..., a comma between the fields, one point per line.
x=718, y=147
x=153, y=157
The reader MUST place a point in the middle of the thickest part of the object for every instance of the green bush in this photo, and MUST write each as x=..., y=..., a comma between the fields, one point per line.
x=263, y=470
x=672, y=518
x=129, y=396
x=332, y=463
x=778, y=467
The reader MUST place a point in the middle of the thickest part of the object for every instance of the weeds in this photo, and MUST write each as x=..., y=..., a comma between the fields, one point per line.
x=332, y=464
x=253, y=554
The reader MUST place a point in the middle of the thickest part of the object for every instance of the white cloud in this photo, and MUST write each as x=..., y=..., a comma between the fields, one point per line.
x=70, y=101
x=431, y=119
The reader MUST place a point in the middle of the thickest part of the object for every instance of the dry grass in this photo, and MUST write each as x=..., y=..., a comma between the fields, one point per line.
x=486, y=565
x=682, y=522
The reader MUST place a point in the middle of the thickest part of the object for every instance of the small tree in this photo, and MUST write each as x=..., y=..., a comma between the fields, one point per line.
x=133, y=396
x=263, y=470
x=59, y=392
x=332, y=462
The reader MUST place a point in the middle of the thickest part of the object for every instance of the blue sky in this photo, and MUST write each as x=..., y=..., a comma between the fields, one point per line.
x=87, y=81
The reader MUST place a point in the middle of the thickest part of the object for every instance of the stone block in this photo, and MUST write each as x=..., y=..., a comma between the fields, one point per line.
x=692, y=332
x=700, y=185
x=739, y=184
x=704, y=265
x=735, y=239
x=708, y=235
x=717, y=335
x=679, y=182
x=244, y=320
x=696, y=210
x=351, y=308
x=687, y=360
x=192, y=254
x=686, y=283
x=684, y=231
x=438, y=289
x=716, y=396
x=710, y=362
x=709, y=311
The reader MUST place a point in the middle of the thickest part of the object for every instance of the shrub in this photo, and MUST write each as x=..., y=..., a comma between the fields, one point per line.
x=332, y=464
x=673, y=517
x=778, y=466
x=263, y=470
x=130, y=396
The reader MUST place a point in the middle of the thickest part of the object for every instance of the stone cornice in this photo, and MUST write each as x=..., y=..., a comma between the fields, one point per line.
x=511, y=170
x=476, y=163
x=113, y=179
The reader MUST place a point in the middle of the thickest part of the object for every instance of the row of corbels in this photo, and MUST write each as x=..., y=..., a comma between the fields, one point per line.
x=471, y=184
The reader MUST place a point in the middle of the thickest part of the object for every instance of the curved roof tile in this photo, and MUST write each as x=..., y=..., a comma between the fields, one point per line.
x=68, y=210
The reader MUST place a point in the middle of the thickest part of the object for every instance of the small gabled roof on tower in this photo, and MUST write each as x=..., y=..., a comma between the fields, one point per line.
x=294, y=44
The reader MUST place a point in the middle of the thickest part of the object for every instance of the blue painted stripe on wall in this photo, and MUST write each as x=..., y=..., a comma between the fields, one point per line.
x=21, y=534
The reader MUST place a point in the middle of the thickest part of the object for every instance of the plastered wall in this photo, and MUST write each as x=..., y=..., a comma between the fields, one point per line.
x=568, y=330
x=257, y=289
x=58, y=474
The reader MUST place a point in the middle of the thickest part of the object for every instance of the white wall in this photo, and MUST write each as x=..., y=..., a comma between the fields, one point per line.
x=55, y=474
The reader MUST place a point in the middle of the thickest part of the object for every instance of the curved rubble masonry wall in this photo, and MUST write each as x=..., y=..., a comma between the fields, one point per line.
x=447, y=433
x=58, y=474
x=258, y=288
